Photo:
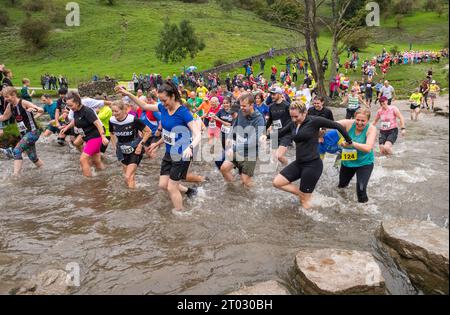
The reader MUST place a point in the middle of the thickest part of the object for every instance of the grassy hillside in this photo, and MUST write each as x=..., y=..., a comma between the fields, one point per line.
x=101, y=45
x=424, y=30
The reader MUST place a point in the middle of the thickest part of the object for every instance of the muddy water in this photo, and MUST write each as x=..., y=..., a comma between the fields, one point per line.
x=129, y=242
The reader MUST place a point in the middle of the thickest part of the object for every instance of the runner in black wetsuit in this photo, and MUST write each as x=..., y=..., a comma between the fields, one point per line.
x=308, y=166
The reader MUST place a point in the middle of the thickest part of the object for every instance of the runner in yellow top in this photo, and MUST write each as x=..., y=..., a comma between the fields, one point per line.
x=434, y=91
x=416, y=100
x=202, y=90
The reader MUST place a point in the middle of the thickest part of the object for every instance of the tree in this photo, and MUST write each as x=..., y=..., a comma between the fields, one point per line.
x=35, y=33
x=347, y=20
x=399, y=20
x=345, y=24
x=177, y=42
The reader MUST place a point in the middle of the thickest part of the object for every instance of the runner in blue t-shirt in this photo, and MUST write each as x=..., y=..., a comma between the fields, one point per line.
x=178, y=128
x=50, y=107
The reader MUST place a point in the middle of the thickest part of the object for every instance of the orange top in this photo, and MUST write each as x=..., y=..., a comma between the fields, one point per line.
x=205, y=106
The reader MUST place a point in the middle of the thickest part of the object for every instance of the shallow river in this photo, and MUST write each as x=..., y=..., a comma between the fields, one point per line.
x=129, y=242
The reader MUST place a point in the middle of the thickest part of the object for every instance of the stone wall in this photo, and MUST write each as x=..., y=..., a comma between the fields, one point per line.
x=98, y=87
x=255, y=59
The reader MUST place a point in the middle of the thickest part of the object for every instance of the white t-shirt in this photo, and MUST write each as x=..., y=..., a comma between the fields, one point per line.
x=387, y=91
x=91, y=103
x=307, y=94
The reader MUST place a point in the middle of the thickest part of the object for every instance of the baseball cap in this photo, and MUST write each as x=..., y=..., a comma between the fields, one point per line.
x=276, y=90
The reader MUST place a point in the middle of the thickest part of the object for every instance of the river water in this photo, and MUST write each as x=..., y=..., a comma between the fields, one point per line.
x=129, y=242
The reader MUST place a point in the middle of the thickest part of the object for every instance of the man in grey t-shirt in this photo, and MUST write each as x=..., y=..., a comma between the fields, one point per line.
x=388, y=91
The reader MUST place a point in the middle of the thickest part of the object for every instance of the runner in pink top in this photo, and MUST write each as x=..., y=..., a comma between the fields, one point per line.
x=388, y=115
x=214, y=126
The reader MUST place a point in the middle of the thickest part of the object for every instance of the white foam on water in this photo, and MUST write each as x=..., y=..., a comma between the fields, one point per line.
x=324, y=201
x=314, y=215
x=182, y=214
x=416, y=175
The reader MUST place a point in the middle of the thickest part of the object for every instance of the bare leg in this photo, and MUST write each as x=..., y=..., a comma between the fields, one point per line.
x=388, y=148
x=282, y=183
x=305, y=199
x=47, y=133
x=130, y=174
x=194, y=178
x=247, y=181
x=17, y=167
x=226, y=169
x=281, y=152
x=85, y=161
x=39, y=163
x=97, y=162
x=174, y=189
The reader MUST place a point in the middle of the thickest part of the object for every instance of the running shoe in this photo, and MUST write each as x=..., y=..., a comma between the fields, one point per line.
x=6, y=153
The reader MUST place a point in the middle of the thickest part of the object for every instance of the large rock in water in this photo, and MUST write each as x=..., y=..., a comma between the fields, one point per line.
x=50, y=282
x=336, y=271
x=263, y=288
x=91, y=89
x=420, y=248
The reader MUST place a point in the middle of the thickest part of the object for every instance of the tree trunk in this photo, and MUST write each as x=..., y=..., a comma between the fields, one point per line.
x=334, y=57
x=312, y=49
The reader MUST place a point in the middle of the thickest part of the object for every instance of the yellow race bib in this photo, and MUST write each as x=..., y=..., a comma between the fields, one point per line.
x=349, y=155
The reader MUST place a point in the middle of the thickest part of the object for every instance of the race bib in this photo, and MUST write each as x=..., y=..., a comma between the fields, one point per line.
x=349, y=155
x=79, y=131
x=22, y=127
x=385, y=125
x=225, y=129
x=277, y=124
x=212, y=124
x=169, y=137
x=126, y=149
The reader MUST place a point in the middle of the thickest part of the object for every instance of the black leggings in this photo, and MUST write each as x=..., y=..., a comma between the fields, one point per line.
x=362, y=179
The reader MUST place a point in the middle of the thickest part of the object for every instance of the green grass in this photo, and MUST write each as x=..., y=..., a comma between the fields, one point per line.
x=102, y=46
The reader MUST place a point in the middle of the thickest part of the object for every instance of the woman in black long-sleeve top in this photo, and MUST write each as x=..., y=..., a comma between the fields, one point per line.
x=308, y=166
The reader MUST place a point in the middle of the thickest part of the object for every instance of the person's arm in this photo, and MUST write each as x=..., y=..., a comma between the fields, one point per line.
x=136, y=100
x=68, y=127
x=320, y=122
x=362, y=100
x=196, y=138
x=394, y=96
x=30, y=107
x=113, y=141
x=57, y=114
x=402, y=120
x=99, y=126
x=146, y=134
x=7, y=114
x=370, y=141
x=254, y=138
x=345, y=100
x=269, y=120
x=285, y=130
x=223, y=122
